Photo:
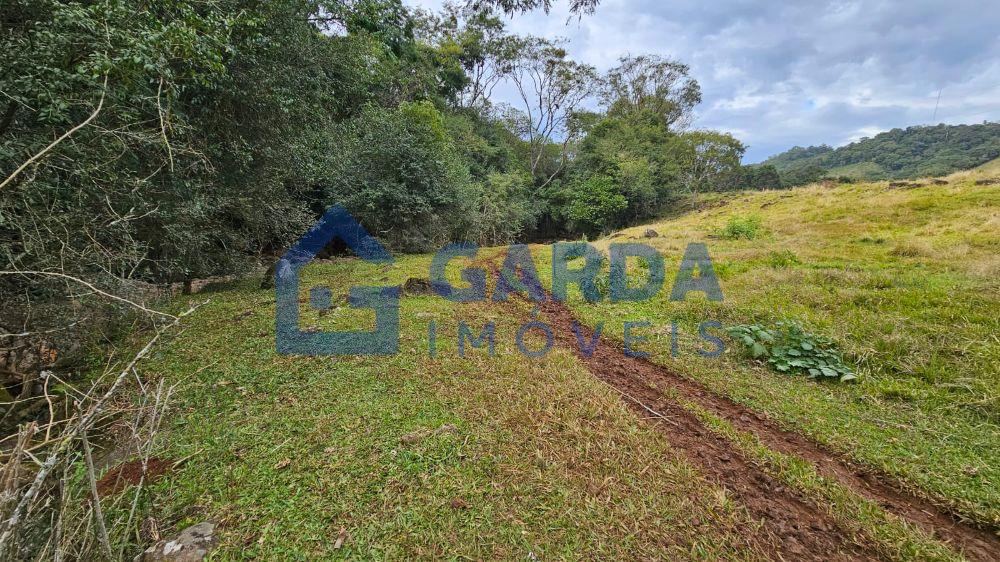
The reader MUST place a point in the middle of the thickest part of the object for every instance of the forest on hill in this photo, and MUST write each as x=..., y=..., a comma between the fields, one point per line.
x=913, y=152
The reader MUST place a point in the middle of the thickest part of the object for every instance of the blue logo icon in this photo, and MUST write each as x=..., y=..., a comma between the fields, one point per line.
x=290, y=338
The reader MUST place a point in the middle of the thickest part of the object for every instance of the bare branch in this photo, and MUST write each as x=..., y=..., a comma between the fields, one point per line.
x=67, y=134
x=92, y=288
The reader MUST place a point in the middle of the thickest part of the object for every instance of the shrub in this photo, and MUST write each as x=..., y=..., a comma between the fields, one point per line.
x=789, y=348
x=399, y=174
x=745, y=228
x=504, y=209
x=783, y=259
x=595, y=204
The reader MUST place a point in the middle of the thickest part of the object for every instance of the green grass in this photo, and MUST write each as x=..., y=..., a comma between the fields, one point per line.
x=512, y=457
x=906, y=281
x=991, y=167
x=287, y=451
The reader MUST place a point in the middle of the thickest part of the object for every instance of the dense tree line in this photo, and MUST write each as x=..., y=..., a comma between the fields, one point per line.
x=900, y=153
x=165, y=142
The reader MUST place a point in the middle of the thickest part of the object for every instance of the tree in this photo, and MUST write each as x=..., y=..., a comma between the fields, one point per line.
x=652, y=85
x=398, y=173
x=480, y=43
x=595, y=205
x=551, y=88
x=709, y=159
x=763, y=176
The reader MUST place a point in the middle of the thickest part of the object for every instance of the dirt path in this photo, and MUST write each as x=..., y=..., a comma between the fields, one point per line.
x=802, y=530
x=797, y=527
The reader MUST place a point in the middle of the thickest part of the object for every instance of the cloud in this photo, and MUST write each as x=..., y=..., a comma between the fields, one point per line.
x=779, y=74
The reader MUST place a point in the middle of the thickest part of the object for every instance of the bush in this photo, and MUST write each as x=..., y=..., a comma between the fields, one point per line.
x=398, y=173
x=783, y=259
x=594, y=205
x=745, y=228
x=504, y=209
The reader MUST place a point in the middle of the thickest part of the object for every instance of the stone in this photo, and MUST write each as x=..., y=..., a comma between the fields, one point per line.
x=192, y=545
x=416, y=287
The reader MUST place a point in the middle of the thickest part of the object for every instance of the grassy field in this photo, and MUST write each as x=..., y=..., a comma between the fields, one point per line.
x=506, y=457
x=906, y=280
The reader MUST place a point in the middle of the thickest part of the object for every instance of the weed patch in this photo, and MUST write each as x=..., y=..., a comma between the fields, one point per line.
x=743, y=228
x=782, y=259
x=789, y=348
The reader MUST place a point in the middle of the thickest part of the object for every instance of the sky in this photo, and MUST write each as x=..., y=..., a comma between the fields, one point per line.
x=777, y=74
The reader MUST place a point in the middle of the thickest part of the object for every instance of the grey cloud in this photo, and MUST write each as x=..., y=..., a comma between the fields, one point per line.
x=778, y=74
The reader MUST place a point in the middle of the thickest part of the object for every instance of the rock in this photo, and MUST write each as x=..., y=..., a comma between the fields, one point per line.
x=192, y=545
x=415, y=286
x=650, y=233
x=268, y=281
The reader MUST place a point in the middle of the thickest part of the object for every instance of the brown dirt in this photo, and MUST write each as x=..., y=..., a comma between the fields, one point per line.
x=801, y=530
x=130, y=473
x=795, y=529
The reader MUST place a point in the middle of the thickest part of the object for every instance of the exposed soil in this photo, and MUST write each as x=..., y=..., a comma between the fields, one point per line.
x=797, y=527
x=130, y=473
x=801, y=529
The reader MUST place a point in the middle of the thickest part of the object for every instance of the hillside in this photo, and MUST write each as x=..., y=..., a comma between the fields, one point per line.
x=497, y=456
x=924, y=151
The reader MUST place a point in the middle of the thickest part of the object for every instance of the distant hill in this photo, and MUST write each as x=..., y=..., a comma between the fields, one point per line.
x=900, y=153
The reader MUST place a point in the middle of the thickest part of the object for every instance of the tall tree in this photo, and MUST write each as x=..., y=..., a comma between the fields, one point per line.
x=653, y=85
x=479, y=41
x=709, y=159
x=552, y=87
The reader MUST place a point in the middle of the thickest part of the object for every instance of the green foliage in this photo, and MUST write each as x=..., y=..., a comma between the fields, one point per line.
x=594, y=204
x=503, y=209
x=709, y=160
x=788, y=348
x=742, y=228
x=652, y=86
x=900, y=153
x=398, y=172
x=783, y=259
x=639, y=154
x=802, y=174
x=762, y=176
